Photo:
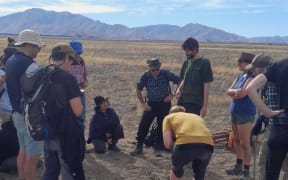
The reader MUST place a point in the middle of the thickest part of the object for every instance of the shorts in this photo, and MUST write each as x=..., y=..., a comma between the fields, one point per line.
x=26, y=142
x=196, y=153
x=242, y=119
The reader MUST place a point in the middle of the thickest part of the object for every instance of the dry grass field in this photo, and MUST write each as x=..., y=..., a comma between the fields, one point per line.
x=115, y=66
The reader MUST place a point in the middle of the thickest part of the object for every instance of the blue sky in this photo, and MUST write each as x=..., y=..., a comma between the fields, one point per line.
x=248, y=18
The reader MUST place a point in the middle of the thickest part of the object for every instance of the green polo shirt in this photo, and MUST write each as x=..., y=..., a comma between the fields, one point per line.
x=195, y=73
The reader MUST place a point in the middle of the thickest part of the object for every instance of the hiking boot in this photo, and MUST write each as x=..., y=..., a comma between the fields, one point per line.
x=138, y=150
x=244, y=175
x=236, y=170
x=113, y=148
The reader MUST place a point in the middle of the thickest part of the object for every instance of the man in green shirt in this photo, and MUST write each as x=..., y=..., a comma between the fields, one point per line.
x=196, y=74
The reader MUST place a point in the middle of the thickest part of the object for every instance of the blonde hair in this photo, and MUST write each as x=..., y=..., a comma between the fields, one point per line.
x=177, y=108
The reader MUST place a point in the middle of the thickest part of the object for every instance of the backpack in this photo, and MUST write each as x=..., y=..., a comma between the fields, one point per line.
x=37, y=95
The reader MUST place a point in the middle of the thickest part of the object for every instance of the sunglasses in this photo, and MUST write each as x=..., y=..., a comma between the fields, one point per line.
x=155, y=70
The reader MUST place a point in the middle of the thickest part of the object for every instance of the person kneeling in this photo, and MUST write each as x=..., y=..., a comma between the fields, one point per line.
x=193, y=142
x=104, y=127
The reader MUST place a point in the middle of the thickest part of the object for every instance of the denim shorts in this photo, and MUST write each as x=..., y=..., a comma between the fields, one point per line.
x=26, y=142
x=241, y=118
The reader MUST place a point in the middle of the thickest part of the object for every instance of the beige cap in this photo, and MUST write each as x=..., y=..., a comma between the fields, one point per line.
x=31, y=37
x=259, y=61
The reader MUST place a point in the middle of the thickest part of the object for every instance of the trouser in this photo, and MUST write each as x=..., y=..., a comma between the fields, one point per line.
x=277, y=147
x=54, y=163
x=99, y=143
x=158, y=110
x=191, y=107
x=196, y=153
x=83, y=114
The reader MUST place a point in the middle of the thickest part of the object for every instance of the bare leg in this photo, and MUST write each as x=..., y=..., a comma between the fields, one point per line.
x=30, y=166
x=244, y=131
x=172, y=176
x=21, y=163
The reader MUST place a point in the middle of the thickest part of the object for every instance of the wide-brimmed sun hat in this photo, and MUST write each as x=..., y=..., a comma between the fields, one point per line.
x=30, y=37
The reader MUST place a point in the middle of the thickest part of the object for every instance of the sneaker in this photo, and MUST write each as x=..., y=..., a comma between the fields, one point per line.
x=236, y=170
x=113, y=148
x=244, y=175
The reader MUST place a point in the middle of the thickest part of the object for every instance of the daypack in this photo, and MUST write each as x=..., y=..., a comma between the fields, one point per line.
x=37, y=95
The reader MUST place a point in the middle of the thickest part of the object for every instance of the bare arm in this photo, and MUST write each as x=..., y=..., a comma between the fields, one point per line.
x=241, y=92
x=252, y=88
x=146, y=107
x=203, y=112
x=178, y=89
x=76, y=106
x=168, y=139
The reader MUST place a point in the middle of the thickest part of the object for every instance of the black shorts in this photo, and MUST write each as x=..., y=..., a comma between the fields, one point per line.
x=197, y=153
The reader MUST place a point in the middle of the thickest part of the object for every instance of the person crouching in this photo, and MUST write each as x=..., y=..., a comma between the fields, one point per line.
x=104, y=127
x=190, y=141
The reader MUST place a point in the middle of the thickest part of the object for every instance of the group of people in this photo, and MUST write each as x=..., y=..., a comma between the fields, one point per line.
x=180, y=128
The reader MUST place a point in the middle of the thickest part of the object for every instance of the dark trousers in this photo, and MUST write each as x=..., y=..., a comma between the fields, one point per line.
x=198, y=154
x=191, y=107
x=159, y=110
x=99, y=143
x=277, y=150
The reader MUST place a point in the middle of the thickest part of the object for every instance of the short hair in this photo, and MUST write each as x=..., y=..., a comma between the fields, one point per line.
x=246, y=57
x=191, y=44
x=176, y=108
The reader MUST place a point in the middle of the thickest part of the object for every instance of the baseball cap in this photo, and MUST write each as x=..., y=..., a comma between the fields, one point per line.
x=76, y=46
x=99, y=100
x=31, y=37
x=259, y=61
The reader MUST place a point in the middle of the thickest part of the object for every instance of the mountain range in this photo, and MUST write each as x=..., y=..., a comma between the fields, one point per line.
x=66, y=24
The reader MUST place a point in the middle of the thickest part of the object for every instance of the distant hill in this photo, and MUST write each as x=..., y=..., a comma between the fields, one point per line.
x=67, y=24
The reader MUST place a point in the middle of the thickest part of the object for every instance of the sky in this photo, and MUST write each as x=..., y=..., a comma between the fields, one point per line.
x=249, y=18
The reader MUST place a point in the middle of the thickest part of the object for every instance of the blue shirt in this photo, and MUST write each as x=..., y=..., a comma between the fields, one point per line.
x=157, y=88
x=243, y=106
x=15, y=67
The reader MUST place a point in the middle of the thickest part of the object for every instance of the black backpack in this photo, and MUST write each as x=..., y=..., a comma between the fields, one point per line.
x=37, y=100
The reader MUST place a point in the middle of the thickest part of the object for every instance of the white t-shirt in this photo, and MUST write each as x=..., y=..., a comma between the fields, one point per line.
x=4, y=99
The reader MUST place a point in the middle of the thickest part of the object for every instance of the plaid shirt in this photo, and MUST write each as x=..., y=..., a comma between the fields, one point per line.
x=78, y=70
x=271, y=96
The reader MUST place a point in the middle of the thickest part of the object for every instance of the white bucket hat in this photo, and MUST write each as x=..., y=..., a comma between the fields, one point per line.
x=31, y=37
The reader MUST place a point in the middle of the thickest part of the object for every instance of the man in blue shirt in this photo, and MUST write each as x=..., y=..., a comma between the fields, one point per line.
x=29, y=45
x=156, y=81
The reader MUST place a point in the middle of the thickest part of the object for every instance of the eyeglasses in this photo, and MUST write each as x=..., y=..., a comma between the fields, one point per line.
x=154, y=70
x=35, y=46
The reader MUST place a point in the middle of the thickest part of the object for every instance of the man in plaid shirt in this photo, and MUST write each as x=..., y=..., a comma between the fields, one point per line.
x=78, y=70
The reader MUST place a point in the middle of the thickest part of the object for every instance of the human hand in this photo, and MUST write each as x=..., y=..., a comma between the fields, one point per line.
x=146, y=107
x=203, y=111
x=168, y=98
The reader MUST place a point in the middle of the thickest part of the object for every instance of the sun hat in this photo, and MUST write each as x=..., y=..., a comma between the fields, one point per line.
x=154, y=62
x=77, y=46
x=31, y=37
x=259, y=61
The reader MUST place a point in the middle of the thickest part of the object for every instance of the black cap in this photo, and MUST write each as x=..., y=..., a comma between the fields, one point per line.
x=99, y=100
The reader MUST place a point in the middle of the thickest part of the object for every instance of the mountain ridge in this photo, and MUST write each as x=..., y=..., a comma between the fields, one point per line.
x=67, y=24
